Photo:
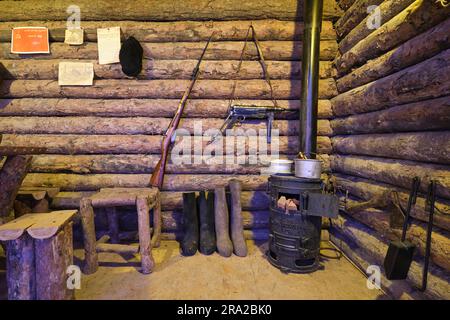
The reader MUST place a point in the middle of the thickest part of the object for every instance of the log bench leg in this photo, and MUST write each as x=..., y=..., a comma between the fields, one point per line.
x=90, y=250
x=157, y=222
x=20, y=268
x=145, y=244
x=55, y=255
x=113, y=224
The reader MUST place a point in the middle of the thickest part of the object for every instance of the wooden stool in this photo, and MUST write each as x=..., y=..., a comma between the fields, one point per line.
x=39, y=251
x=144, y=199
x=34, y=200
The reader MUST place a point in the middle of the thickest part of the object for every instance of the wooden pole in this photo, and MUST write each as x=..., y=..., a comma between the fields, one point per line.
x=145, y=243
x=87, y=222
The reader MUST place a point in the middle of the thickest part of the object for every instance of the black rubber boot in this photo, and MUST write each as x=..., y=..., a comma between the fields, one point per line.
x=205, y=204
x=189, y=244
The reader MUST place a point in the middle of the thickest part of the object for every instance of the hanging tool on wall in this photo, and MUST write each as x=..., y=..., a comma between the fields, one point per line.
x=400, y=253
x=429, y=204
x=238, y=112
x=157, y=177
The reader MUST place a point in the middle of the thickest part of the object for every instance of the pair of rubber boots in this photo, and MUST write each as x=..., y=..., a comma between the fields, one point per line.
x=214, y=224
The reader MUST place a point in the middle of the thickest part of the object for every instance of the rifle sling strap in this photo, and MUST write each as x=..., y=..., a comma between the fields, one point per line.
x=261, y=61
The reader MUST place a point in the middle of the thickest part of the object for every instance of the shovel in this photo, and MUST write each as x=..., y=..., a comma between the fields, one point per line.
x=400, y=253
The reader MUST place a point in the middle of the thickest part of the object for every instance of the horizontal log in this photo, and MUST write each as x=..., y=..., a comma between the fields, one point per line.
x=354, y=15
x=153, y=10
x=17, y=151
x=394, y=172
x=164, y=69
x=387, y=9
x=185, y=182
x=368, y=243
x=172, y=31
x=221, y=50
x=195, y=108
x=417, y=233
x=413, y=51
x=170, y=200
x=166, y=89
x=139, y=125
x=117, y=248
x=139, y=164
x=367, y=190
x=421, y=146
x=345, y=4
x=127, y=144
x=426, y=80
x=425, y=115
x=415, y=19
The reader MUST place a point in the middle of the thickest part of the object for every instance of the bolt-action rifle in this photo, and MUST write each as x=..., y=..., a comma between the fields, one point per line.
x=158, y=174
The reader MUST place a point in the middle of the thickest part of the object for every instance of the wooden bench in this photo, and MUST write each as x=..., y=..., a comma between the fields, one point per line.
x=144, y=199
x=39, y=250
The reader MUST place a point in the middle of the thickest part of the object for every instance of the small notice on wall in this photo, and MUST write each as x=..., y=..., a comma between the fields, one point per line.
x=74, y=36
x=30, y=40
x=108, y=45
x=75, y=74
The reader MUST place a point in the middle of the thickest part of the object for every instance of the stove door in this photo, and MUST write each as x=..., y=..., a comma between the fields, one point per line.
x=323, y=205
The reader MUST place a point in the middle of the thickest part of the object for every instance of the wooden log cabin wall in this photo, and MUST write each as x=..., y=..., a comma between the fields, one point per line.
x=109, y=134
x=383, y=108
x=391, y=122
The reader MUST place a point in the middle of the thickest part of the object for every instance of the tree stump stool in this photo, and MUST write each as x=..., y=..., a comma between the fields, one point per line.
x=34, y=200
x=39, y=251
x=144, y=199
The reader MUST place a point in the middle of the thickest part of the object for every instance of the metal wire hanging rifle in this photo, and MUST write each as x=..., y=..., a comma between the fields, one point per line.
x=238, y=112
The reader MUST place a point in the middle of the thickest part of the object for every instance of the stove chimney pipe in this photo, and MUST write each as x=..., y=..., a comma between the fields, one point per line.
x=312, y=18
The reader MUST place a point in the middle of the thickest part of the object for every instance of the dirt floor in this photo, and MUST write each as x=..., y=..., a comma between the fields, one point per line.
x=215, y=277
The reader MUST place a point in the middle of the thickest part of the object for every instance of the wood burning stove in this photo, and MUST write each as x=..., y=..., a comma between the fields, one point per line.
x=294, y=240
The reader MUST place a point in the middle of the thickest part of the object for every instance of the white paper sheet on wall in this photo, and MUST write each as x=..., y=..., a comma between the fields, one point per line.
x=108, y=45
x=75, y=74
x=74, y=37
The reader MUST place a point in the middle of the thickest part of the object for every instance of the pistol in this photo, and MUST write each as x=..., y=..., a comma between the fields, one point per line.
x=239, y=113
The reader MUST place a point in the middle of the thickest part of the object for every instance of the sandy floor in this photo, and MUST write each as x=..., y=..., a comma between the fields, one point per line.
x=215, y=277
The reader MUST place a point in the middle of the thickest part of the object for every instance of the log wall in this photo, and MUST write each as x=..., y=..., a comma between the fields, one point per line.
x=391, y=122
x=109, y=134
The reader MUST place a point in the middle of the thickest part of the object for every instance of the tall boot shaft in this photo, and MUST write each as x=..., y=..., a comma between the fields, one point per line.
x=189, y=244
x=237, y=228
x=224, y=245
x=205, y=204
